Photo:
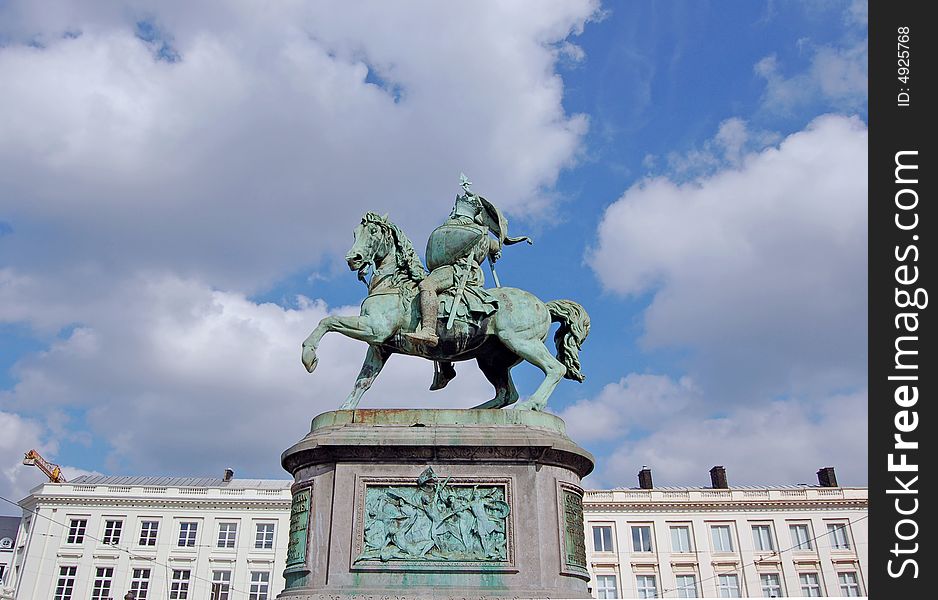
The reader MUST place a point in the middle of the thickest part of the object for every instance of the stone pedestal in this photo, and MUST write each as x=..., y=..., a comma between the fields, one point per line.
x=436, y=504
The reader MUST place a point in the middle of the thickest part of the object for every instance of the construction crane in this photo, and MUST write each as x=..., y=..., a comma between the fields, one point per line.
x=53, y=472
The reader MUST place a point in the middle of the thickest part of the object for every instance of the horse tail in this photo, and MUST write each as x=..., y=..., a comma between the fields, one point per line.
x=574, y=327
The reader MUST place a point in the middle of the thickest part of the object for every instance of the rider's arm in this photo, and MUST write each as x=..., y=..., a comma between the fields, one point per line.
x=495, y=249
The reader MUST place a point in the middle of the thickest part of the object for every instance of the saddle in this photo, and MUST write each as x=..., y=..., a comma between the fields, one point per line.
x=475, y=305
x=467, y=333
x=472, y=314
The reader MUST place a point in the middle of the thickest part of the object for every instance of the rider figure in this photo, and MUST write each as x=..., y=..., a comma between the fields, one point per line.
x=455, y=253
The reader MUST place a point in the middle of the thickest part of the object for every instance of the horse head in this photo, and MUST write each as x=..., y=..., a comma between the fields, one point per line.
x=375, y=239
x=371, y=244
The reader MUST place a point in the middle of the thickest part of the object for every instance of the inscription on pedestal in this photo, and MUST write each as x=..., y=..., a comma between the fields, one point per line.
x=574, y=539
x=299, y=528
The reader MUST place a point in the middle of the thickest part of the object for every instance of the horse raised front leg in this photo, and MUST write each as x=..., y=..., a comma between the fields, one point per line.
x=374, y=362
x=359, y=328
x=310, y=360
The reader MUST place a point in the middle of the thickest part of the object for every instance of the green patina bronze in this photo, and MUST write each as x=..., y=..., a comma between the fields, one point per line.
x=416, y=417
x=297, y=572
x=448, y=315
x=574, y=538
x=435, y=521
x=299, y=527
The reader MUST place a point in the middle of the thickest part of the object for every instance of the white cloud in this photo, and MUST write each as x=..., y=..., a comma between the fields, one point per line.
x=145, y=200
x=234, y=163
x=571, y=52
x=171, y=374
x=841, y=74
x=633, y=404
x=836, y=74
x=734, y=139
x=672, y=427
x=763, y=443
x=858, y=13
x=758, y=271
x=17, y=435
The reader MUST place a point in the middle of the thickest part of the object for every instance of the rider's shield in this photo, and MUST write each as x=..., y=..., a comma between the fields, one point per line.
x=449, y=243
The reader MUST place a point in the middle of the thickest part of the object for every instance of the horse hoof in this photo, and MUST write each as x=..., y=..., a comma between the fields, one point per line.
x=310, y=360
x=493, y=403
x=529, y=404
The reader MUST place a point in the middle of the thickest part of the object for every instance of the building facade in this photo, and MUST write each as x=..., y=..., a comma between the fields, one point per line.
x=761, y=542
x=207, y=539
x=159, y=537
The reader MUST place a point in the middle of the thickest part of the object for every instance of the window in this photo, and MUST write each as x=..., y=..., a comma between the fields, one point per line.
x=849, y=584
x=645, y=585
x=102, y=583
x=810, y=585
x=3, y=570
x=66, y=583
x=260, y=585
x=728, y=586
x=140, y=583
x=76, y=531
x=641, y=538
x=837, y=532
x=800, y=537
x=680, y=539
x=606, y=586
x=148, y=531
x=179, y=587
x=187, y=533
x=221, y=585
x=771, y=585
x=762, y=538
x=722, y=539
x=227, y=533
x=264, y=536
x=602, y=538
x=112, y=532
x=686, y=586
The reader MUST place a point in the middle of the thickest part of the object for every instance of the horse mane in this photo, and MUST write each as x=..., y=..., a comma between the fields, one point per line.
x=408, y=262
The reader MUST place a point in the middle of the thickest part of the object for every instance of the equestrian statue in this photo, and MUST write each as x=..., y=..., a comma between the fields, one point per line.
x=448, y=315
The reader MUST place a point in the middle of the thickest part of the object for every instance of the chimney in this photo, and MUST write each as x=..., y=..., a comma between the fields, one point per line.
x=644, y=478
x=718, y=478
x=229, y=473
x=826, y=477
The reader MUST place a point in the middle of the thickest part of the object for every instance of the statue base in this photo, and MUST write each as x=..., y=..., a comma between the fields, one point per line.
x=436, y=504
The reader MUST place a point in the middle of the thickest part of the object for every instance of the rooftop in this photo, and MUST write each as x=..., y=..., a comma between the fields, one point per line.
x=183, y=482
x=685, y=488
x=743, y=494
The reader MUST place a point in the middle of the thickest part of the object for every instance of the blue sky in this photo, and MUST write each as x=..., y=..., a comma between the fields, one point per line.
x=180, y=185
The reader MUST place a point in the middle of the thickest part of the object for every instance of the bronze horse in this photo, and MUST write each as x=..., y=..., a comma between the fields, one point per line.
x=514, y=333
